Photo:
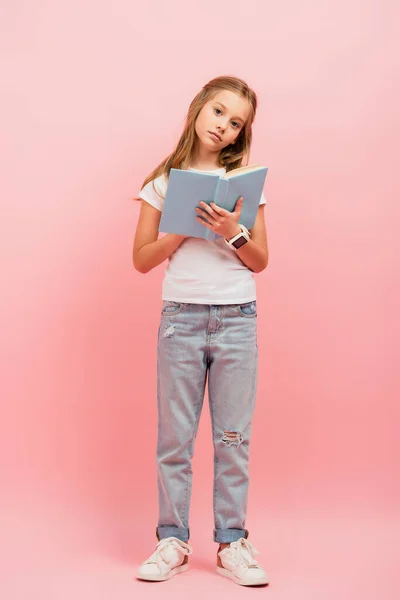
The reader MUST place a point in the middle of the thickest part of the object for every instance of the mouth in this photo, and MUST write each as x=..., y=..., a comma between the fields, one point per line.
x=215, y=136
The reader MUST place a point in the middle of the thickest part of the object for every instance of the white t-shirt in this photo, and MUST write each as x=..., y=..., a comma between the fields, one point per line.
x=201, y=271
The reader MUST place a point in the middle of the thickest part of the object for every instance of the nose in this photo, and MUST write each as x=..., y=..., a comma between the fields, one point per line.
x=221, y=125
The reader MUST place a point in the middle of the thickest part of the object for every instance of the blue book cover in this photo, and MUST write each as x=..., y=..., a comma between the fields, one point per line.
x=187, y=188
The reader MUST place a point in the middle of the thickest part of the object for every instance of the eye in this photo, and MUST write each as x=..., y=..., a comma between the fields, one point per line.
x=217, y=109
x=235, y=124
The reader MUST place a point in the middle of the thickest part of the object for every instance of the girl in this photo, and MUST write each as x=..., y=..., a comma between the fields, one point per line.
x=208, y=329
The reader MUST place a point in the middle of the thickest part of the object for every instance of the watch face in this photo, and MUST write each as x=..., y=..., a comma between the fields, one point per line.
x=239, y=242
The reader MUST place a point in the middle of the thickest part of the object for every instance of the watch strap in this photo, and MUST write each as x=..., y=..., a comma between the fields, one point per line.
x=244, y=233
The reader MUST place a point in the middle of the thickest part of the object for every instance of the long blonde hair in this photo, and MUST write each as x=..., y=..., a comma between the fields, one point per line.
x=230, y=157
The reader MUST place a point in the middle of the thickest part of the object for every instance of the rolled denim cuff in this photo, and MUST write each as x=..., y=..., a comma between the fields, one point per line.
x=226, y=536
x=165, y=531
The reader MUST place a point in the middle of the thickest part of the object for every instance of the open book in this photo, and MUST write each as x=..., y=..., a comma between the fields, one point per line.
x=187, y=188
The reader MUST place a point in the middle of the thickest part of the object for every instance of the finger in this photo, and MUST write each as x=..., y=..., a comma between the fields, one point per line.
x=238, y=205
x=221, y=211
x=205, y=223
x=206, y=215
x=206, y=207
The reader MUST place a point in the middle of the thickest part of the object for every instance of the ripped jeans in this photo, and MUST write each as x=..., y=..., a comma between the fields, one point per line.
x=196, y=341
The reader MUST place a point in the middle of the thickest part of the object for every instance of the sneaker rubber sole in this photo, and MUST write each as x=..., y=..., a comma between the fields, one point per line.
x=155, y=577
x=230, y=575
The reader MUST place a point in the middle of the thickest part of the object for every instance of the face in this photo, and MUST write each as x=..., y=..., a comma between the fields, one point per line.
x=221, y=120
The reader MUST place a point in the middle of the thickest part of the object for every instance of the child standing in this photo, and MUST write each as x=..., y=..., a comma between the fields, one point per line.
x=208, y=330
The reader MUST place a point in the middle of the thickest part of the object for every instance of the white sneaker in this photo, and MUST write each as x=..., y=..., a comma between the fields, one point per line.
x=166, y=561
x=238, y=563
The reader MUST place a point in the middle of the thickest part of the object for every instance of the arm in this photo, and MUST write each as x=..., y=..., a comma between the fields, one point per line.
x=254, y=254
x=148, y=250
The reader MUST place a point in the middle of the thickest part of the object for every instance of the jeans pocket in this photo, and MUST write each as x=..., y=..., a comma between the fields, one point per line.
x=170, y=308
x=248, y=310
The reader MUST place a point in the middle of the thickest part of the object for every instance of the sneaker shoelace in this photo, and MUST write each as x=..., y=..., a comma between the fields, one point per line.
x=159, y=556
x=243, y=552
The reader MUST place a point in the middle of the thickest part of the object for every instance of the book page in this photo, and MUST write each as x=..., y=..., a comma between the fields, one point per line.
x=242, y=170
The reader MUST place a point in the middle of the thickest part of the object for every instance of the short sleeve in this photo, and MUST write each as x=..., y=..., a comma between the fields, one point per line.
x=262, y=200
x=155, y=197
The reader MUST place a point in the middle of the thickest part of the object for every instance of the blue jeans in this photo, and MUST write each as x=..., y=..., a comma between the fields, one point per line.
x=196, y=341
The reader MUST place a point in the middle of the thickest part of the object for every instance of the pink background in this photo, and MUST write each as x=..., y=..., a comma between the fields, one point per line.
x=94, y=96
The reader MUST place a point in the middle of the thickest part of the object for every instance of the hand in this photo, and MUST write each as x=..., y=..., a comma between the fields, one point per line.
x=219, y=220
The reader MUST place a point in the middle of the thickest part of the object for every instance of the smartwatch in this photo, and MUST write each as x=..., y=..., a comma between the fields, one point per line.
x=240, y=239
